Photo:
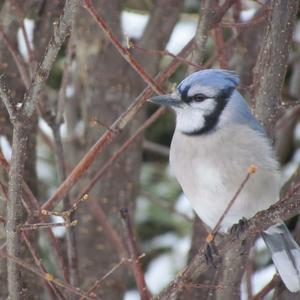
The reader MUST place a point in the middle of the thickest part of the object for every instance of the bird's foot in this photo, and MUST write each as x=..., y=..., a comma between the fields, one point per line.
x=239, y=227
x=210, y=250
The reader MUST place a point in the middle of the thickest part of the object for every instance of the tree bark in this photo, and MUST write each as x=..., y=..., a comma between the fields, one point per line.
x=270, y=69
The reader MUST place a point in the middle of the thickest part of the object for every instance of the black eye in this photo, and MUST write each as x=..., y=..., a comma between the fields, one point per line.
x=199, y=97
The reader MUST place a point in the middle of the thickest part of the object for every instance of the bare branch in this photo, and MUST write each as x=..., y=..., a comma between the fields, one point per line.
x=134, y=255
x=4, y=94
x=251, y=170
x=122, y=50
x=52, y=289
x=61, y=31
x=17, y=58
x=98, y=283
x=272, y=62
x=46, y=276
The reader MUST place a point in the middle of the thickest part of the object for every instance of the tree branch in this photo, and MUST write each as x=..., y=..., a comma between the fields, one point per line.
x=4, y=95
x=61, y=31
x=270, y=69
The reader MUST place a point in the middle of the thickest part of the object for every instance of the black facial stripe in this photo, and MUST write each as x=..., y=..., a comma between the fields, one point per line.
x=211, y=120
x=184, y=94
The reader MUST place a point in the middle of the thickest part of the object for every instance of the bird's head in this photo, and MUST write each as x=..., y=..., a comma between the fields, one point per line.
x=200, y=99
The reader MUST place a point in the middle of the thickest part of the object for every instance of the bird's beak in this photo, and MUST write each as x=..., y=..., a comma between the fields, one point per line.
x=173, y=99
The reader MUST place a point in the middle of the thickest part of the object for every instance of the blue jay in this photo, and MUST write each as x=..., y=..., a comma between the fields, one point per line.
x=216, y=139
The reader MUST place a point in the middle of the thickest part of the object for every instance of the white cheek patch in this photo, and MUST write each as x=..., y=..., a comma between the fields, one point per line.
x=189, y=119
x=206, y=106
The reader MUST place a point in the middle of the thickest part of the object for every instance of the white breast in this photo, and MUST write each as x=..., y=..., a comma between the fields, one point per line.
x=210, y=169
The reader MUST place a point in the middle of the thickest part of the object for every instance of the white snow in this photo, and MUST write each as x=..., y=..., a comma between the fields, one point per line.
x=29, y=27
x=5, y=148
x=58, y=231
x=132, y=295
x=133, y=24
x=182, y=33
x=164, y=268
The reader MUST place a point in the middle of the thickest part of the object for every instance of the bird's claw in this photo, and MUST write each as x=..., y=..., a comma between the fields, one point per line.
x=239, y=227
x=209, y=252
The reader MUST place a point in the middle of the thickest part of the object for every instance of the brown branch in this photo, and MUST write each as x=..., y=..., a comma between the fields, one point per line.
x=36, y=226
x=155, y=148
x=220, y=43
x=134, y=256
x=266, y=289
x=98, y=283
x=210, y=16
x=46, y=276
x=62, y=174
x=112, y=133
x=20, y=16
x=22, y=68
x=52, y=289
x=125, y=53
x=253, y=21
x=109, y=231
x=251, y=170
x=131, y=45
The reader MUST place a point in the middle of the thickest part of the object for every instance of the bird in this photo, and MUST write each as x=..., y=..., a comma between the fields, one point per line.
x=216, y=139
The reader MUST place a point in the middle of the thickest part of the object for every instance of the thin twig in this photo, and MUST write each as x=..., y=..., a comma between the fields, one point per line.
x=70, y=233
x=98, y=282
x=4, y=95
x=220, y=44
x=131, y=45
x=251, y=170
x=134, y=255
x=64, y=81
x=164, y=204
x=33, y=203
x=61, y=31
x=203, y=286
x=267, y=288
x=20, y=16
x=52, y=289
x=46, y=276
x=36, y=226
x=125, y=53
x=22, y=68
x=252, y=22
x=109, y=230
